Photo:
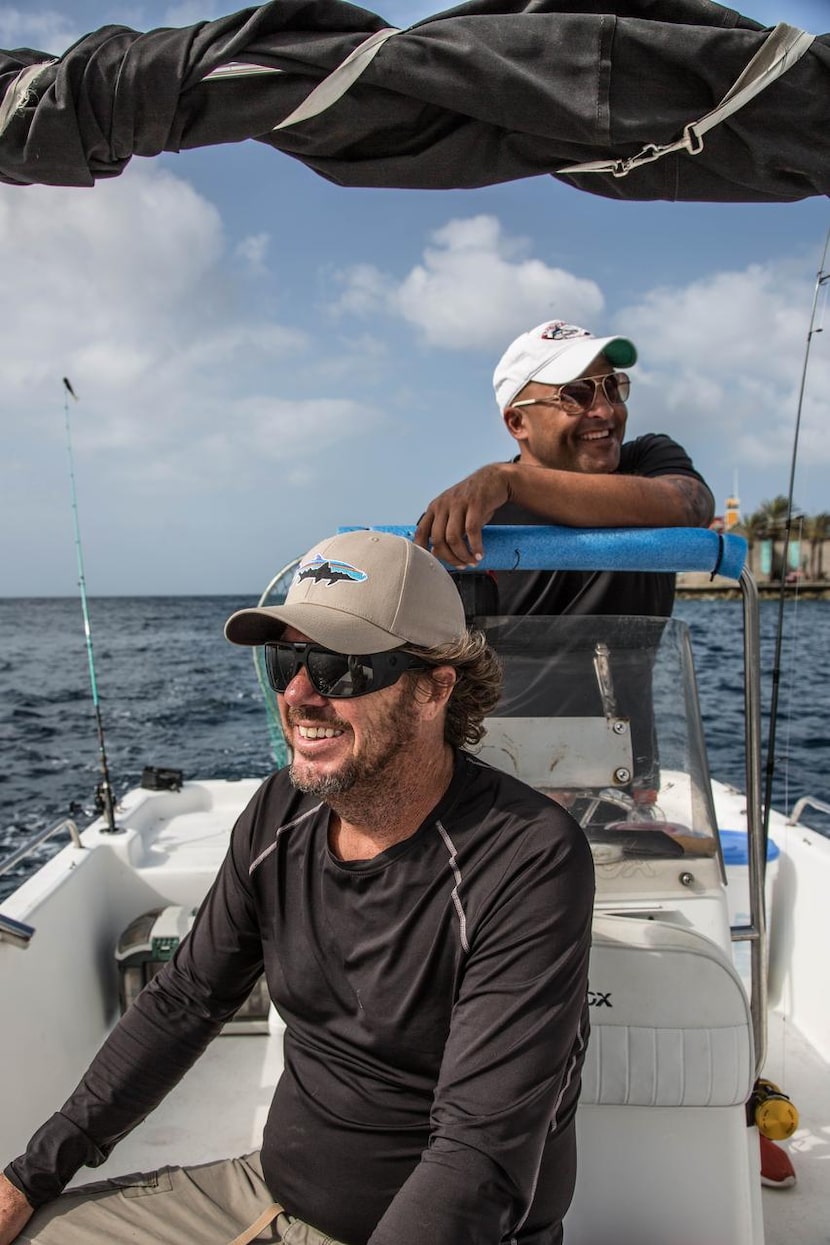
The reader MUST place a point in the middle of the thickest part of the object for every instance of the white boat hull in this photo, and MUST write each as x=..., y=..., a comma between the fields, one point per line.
x=670, y=1171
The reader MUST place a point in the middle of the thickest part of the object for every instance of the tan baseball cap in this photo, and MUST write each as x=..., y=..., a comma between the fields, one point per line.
x=554, y=353
x=361, y=592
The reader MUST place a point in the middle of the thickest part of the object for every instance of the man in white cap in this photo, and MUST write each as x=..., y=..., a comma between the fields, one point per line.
x=563, y=393
x=423, y=922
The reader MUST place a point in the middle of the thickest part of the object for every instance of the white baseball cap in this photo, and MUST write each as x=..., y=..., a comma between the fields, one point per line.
x=554, y=353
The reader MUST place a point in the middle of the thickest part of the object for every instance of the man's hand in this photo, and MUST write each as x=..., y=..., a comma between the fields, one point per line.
x=451, y=524
x=15, y=1211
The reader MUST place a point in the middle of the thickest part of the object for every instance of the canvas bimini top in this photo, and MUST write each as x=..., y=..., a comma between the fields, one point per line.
x=619, y=103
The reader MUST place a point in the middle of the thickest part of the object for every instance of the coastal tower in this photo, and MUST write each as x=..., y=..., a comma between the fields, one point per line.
x=732, y=509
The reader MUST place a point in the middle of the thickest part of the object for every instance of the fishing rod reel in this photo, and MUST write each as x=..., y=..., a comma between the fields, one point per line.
x=105, y=806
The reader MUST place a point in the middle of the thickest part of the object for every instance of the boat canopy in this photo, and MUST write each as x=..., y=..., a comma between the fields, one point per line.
x=631, y=99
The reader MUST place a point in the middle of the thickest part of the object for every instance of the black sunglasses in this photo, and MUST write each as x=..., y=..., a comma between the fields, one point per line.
x=337, y=676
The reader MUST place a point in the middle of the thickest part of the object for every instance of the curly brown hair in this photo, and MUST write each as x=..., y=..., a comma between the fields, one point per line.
x=477, y=687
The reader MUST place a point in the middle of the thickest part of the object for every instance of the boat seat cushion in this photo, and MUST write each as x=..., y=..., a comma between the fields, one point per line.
x=670, y=1021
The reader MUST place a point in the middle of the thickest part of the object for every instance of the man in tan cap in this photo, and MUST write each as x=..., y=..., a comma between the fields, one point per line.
x=562, y=393
x=423, y=922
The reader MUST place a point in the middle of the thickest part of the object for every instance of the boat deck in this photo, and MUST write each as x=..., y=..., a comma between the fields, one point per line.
x=222, y=1120
x=218, y=1109
x=221, y=1106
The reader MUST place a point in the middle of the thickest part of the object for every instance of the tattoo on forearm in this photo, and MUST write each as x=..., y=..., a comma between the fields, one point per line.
x=697, y=500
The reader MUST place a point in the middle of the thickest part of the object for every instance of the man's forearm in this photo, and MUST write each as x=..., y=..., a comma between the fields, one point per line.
x=451, y=524
x=142, y=1059
x=582, y=500
x=15, y=1211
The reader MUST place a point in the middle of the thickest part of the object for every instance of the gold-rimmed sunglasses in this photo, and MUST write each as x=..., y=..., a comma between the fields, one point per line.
x=578, y=396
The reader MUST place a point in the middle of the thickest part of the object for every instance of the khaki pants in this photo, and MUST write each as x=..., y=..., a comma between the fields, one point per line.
x=212, y=1204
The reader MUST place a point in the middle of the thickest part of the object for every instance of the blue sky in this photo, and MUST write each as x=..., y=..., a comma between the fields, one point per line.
x=261, y=356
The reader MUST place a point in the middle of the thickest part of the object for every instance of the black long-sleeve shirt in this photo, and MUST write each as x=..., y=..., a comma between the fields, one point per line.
x=597, y=592
x=434, y=1003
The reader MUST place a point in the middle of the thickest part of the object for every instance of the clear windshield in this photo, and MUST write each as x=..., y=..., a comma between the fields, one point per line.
x=601, y=713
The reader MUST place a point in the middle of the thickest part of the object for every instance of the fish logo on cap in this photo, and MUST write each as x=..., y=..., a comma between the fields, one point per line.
x=328, y=571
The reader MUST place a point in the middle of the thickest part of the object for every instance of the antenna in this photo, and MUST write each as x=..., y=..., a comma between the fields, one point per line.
x=822, y=278
x=104, y=790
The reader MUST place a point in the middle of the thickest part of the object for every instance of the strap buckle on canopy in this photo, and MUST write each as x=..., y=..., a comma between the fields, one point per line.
x=781, y=49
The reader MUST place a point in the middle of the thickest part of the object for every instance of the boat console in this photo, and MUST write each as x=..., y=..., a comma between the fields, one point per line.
x=601, y=714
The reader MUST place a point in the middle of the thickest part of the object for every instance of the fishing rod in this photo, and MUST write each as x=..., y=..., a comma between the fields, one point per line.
x=104, y=790
x=822, y=277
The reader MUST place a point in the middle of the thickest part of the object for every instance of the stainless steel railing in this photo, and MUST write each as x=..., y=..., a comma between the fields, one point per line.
x=18, y=933
x=806, y=801
x=29, y=846
x=755, y=933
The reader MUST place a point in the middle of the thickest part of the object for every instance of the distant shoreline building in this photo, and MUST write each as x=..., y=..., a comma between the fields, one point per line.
x=801, y=562
x=732, y=512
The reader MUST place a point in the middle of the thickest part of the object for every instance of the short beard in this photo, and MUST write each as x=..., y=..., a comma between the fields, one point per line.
x=326, y=785
x=369, y=776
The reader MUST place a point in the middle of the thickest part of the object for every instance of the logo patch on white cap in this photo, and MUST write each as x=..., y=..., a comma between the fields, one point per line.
x=328, y=571
x=558, y=330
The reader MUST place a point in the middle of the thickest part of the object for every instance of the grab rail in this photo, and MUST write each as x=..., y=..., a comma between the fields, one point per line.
x=18, y=933
x=547, y=548
x=29, y=846
x=806, y=801
x=755, y=932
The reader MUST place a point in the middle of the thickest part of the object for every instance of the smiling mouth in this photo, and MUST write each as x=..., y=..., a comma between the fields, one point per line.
x=599, y=434
x=318, y=732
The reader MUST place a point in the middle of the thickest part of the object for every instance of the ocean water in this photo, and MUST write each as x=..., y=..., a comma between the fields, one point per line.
x=174, y=693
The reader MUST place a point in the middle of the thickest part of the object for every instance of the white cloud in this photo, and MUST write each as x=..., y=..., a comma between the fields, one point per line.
x=266, y=444
x=252, y=251
x=365, y=290
x=48, y=30
x=127, y=290
x=358, y=360
x=721, y=366
x=103, y=280
x=203, y=425
x=202, y=412
x=275, y=427
x=726, y=323
x=475, y=288
x=721, y=355
x=258, y=343
x=191, y=11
